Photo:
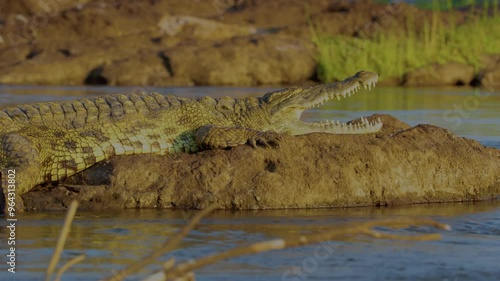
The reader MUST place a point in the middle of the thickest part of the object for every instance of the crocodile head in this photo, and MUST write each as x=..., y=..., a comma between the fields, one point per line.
x=286, y=107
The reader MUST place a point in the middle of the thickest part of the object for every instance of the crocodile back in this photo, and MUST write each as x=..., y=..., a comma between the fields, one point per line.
x=79, y=113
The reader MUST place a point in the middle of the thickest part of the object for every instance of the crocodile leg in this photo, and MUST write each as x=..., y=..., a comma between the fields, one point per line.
x=210, y=136
x=20, y=166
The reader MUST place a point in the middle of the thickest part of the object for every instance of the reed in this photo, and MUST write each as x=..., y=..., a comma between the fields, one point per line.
x=185, y=271
x=70, y=215
x=366, y=228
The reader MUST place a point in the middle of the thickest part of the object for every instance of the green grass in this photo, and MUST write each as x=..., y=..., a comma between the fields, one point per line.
x=392, y=54
x=442, y=4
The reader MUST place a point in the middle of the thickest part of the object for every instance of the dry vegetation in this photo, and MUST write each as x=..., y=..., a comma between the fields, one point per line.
x=185, y=270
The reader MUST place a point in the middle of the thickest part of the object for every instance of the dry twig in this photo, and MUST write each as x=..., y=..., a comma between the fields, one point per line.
x=278, y=244
x=184, y=271
x=167, y=246
x=70, y=263
x=62, y=239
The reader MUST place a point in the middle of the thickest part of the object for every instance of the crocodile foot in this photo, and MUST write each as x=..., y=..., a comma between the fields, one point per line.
x=210, y=137
x=267, y=139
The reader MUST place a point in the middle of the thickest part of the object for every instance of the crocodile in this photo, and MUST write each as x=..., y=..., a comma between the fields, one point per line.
x=49, y=141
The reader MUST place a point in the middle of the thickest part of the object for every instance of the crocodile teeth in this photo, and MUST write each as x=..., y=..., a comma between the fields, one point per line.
x=369, y=85
x=362, y=126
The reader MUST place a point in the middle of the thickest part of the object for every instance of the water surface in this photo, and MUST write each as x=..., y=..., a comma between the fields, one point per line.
x=112, y=240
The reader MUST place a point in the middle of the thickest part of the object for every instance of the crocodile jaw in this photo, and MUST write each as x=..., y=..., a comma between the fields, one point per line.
x=335, y=127
x=293, y=104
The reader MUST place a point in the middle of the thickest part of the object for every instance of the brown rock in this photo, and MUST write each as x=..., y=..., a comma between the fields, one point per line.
x=416, y=165
x=50, y=69
x=110, y=62
x=143, y=69
x=246, y=61
x=450, y=74
x=198, y=28
x=490, y=78
x=31, y=7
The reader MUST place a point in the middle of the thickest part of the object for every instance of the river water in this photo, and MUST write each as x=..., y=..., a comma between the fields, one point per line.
x=111, y=240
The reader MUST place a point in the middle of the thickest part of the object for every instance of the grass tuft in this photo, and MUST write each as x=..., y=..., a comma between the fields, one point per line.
x=393, y=53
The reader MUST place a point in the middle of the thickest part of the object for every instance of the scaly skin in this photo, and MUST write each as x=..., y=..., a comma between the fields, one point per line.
x=50, y=141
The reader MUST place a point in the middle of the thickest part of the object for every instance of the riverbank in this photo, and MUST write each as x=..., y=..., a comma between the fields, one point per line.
x=239, y=43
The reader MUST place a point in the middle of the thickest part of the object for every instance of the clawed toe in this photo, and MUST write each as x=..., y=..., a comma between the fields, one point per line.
x=266, y=139
x=263, y=142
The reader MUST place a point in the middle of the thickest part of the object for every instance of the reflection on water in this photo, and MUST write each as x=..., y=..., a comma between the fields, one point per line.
x=469, y=252
x=112, y=240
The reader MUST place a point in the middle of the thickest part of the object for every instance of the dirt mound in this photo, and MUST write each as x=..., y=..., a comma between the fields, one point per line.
x=397, y=166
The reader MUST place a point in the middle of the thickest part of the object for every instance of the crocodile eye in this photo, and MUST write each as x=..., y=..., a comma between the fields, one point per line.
x=361, y=73
x=282, y=95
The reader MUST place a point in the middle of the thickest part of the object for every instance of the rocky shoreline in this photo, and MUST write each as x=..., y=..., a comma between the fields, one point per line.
x=185, y=43
x=399, y=165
